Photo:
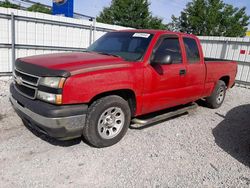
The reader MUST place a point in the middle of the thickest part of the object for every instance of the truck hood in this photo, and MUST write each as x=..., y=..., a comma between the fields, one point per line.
x=66, y=64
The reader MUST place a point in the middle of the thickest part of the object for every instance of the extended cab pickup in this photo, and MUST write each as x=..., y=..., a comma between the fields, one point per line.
x=123, y=75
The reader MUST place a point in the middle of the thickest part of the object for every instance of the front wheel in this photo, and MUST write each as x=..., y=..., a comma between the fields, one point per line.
x=218, y=95
x=107, y=121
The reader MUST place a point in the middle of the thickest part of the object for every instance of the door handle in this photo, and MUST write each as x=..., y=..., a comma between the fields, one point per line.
x=183, y=72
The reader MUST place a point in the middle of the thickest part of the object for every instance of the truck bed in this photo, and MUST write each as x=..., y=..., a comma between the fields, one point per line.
x=211, y=60
x=218, y=69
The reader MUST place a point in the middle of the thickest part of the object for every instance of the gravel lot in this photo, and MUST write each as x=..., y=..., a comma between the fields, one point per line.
x=207, y=148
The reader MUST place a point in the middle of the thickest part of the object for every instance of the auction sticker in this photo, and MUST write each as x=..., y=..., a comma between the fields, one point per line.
x=142, y=35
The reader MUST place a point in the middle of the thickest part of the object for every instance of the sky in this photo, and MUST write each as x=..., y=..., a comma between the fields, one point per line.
x=161, y=8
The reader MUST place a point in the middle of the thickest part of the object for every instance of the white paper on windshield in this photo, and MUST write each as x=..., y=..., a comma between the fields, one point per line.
x=141, y=35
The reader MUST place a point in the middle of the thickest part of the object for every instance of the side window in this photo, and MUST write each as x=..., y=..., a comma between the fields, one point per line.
x=192, y=51
x=171, y=46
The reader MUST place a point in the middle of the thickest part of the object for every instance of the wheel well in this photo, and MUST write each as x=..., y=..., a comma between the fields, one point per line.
x=225, y=79
x=126, y=94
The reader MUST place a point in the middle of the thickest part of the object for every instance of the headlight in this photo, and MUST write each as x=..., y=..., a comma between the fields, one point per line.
x=49, y=97
x=54, y=82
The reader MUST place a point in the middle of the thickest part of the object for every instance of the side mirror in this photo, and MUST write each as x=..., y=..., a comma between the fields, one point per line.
x=162, y=58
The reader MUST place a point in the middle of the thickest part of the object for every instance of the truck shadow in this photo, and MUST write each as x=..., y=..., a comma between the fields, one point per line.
x=233, y=133
x=53, y=141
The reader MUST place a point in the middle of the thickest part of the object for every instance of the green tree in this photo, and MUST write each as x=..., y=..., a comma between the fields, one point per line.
x=211, y=18
x=37, y=7
x=130, y=13
x=8, y=4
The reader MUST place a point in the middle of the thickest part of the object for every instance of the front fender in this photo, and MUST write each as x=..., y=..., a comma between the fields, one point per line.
x=82, y=88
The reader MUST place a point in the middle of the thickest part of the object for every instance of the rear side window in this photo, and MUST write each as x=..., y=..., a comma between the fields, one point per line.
x=192, y=51
x=171, y=46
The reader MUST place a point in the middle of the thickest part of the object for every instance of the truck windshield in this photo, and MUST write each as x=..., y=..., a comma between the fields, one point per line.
x=130, y=46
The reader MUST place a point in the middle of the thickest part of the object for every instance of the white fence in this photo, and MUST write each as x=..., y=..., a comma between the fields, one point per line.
x=24, y=33
x=237, y=49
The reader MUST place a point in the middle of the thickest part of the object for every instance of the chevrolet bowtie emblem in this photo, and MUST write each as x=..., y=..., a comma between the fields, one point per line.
x=19, y=80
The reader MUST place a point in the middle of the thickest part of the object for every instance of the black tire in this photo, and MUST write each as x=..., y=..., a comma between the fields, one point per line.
x=95, y=135
x=217, y=98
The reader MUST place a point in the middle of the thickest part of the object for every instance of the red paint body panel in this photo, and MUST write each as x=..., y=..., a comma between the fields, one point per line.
x=155, y=86
x=72, y=61
x=217, y=70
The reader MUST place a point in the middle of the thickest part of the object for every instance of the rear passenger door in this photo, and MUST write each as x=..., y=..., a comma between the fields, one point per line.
x=196, y=70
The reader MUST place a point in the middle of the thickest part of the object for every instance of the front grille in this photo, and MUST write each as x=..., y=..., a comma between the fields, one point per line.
x=29, y=92
x=27, y=78
x=26, y=84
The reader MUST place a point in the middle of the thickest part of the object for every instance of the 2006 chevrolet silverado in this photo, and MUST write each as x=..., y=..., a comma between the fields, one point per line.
x=123, y=75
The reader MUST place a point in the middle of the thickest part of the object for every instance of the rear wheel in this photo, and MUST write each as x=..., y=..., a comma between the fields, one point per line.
x=218, y=95
x=107, y=121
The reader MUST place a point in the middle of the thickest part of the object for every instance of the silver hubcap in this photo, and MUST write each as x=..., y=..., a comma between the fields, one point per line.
x=111, y=122
x=220, y=95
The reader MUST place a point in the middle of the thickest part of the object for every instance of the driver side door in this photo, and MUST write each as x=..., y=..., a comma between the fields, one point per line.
x=164, y=83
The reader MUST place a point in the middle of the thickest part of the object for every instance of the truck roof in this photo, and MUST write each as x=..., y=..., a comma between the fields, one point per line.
x=154, y=31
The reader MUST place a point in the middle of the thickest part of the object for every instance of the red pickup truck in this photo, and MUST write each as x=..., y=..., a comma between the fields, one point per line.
x=123, y=75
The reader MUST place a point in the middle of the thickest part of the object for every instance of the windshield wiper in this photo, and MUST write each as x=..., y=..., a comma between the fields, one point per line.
x=105, y=53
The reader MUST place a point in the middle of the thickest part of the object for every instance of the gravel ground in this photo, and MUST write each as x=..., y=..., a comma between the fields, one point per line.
x=207, y=148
